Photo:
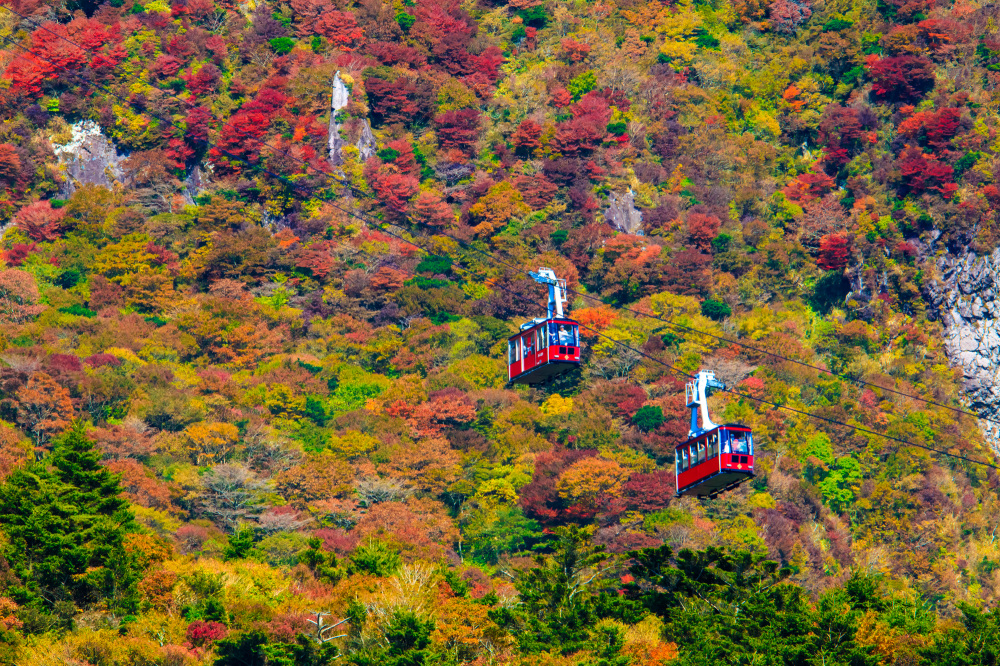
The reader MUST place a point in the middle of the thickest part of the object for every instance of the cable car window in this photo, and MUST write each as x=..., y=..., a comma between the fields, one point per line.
x=565, y=335
x=725, y=442
x=750, y=443
x=684, y=458
x=701, y=450
x=740, y=443
x=713, y=445
x=515, y=350
x=529, y=345
x=543, y=337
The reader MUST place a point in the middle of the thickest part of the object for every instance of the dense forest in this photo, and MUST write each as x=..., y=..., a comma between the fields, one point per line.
x=259, y=265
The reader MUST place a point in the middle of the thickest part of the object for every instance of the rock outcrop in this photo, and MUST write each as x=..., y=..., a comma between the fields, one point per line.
x=88, y=158
x=366, y=143
x=966, y=297
x=622, y=213
x=339, y=97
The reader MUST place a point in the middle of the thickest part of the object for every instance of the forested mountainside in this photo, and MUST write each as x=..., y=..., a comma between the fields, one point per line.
x=260, y=261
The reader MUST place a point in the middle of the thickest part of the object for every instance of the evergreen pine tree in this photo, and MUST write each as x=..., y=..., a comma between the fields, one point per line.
x=66, y=523
x=557, y=606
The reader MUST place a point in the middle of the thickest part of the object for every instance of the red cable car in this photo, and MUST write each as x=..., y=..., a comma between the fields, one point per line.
x=544, y=348
x=714, y=458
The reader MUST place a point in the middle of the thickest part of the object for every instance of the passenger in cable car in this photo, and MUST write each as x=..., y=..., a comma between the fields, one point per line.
x=741, y=443
x=565, y=335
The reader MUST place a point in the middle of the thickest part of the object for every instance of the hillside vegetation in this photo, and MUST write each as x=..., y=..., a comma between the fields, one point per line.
x=254, y=403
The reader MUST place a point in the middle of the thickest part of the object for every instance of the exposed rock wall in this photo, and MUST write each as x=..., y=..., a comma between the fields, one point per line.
x=622, y=214
x=966, y=297
x=339, y=97
x=88, y=157
x=366, y=143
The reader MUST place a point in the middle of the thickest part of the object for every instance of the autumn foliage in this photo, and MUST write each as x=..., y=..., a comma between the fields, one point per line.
x=277, y=332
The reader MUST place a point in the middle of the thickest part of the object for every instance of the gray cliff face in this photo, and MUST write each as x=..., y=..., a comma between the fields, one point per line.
x=967, y=299
x=339, y=97
x=622, y=213
x=88, y=158
x=366, y=143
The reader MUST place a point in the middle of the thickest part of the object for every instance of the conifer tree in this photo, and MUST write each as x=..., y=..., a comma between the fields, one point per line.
x=66, y=523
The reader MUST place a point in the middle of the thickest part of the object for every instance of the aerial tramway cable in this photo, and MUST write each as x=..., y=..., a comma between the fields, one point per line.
x=355, y=192
x=377, y=224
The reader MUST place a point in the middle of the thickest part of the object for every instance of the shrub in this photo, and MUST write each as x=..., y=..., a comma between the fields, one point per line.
x=648, y=418
x=282, y=45
x=405, y=21
x=375, y=558
x=201, y=633
x=836, y=24
x=434, y=264
x=715, y=309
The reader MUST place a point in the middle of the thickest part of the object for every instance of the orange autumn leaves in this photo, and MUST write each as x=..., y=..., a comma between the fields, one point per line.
x=595, y=320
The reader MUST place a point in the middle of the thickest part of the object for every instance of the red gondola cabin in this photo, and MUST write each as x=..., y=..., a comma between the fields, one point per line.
x=544, y=348
x=714, y=458
x=714, y=461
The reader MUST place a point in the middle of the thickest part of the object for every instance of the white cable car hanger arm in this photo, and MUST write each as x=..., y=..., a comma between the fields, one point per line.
x=697, y=391
x=557, y=290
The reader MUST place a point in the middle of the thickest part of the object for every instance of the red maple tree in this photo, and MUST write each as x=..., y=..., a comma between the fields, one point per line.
x=458, y=129
x=903, y=78
x=527, y=137
x=834, y=251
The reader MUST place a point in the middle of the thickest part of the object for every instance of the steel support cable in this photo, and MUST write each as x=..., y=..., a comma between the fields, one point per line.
x=378, y=225
x=676, y=325
x=800, y=412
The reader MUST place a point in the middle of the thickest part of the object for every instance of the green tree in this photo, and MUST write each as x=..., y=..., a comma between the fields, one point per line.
x=375, y=558
x=322, y=564
x=840, y=485
x=557, y=610
x=582, y=84
x=648, y=418
x=241, y=543
x=405, y=641
x=976, y=644
x=66, y=524
x=252, y=648
x=493, y=532
x=737, y=607
x=715, y=309
x=282, y=45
